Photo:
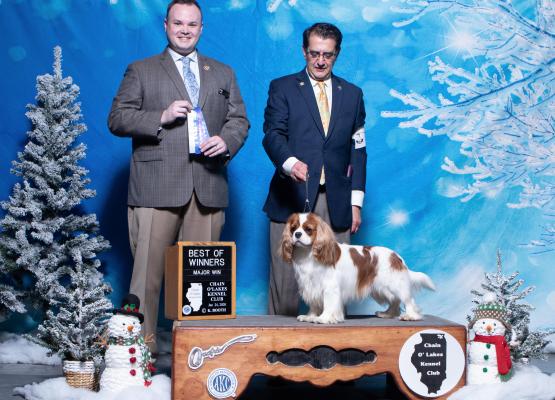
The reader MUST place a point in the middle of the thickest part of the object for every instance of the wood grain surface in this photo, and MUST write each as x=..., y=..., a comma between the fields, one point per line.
x=278, y=334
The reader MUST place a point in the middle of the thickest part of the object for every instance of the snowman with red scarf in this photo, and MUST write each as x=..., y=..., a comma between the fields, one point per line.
x=489, y=355
x=128, y=358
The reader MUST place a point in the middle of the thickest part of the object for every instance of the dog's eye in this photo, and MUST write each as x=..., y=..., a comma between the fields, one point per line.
x=308, y=231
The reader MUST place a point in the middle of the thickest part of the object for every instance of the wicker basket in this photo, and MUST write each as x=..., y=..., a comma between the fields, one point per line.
x=81, y=374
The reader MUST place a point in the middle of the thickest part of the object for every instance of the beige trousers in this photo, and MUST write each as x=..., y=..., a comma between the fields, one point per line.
x=151, y=231
x=283, y=295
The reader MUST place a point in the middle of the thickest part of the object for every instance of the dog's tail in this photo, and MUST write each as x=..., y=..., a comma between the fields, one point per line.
x=420, y=280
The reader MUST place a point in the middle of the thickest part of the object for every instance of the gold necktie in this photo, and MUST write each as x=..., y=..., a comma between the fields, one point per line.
x=324, y=109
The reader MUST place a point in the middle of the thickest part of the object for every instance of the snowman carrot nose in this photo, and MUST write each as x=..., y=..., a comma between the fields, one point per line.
x=129, y=328
x=489, y=328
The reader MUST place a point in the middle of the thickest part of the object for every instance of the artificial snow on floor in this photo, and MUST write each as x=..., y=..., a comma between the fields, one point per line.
x=15, y=349
x=527, y=383
x=58, y=389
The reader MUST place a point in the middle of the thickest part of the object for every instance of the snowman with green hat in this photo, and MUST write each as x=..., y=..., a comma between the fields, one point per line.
x=489, y=354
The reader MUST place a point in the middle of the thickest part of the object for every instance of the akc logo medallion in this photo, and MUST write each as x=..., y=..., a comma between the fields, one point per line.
x=222, y=383
x=187, y=309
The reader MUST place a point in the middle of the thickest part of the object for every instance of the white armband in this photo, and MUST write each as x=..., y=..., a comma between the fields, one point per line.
x=359, y=138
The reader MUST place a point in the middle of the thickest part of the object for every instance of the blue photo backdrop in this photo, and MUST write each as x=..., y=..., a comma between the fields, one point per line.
x=459, y=115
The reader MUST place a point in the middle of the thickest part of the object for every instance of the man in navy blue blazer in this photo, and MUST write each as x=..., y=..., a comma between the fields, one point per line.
x=314, y=135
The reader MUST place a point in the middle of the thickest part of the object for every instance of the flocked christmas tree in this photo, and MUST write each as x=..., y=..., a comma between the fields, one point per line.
x=74, y=327
x=529, y=344
x=44, y=238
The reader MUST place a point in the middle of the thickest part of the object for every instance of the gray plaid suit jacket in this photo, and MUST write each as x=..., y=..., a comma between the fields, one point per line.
x=162, y=173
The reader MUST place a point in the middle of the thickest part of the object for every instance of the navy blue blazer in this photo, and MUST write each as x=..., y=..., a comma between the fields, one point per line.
x=293, y=128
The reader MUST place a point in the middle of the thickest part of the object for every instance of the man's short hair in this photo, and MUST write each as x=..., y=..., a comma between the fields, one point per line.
x=188, y=2
x=325, y=31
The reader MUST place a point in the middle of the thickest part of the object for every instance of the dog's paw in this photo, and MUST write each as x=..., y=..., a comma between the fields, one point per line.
x=410, y=317
x=306, y=318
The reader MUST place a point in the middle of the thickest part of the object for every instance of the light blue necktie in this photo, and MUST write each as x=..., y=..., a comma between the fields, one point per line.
x=190, y=80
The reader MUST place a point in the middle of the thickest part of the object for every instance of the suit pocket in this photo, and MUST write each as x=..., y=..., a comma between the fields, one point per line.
x=217, y=100
x=147, y=155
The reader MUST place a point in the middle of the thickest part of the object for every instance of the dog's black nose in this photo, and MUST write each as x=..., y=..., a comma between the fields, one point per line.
x=298, y=234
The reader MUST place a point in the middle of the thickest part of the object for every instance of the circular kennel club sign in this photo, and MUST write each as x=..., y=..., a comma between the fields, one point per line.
x=431, y=362
x=222, y=383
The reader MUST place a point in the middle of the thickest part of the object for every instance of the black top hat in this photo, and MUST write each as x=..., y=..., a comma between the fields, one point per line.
x=130, y=306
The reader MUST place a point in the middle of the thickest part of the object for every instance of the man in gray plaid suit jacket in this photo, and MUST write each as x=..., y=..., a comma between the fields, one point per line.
x=172, y=194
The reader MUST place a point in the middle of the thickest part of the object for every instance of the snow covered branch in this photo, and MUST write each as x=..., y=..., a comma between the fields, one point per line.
x=502, y=111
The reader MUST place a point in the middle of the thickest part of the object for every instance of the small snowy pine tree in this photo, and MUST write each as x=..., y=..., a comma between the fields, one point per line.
x=73, y=329
x=506, y=288
x=43, y=237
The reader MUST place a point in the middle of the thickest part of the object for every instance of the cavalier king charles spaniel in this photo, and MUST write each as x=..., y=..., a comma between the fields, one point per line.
x=330, y=274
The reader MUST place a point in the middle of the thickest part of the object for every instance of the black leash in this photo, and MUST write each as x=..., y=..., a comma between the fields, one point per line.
x=306, y=201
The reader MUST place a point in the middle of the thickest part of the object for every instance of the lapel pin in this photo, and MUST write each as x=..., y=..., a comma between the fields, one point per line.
x=206, y=67
x=301, y=83
x=339, y=87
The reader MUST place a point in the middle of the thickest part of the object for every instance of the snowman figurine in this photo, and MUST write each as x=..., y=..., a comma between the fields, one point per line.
x=128, y=359
x=489, y=356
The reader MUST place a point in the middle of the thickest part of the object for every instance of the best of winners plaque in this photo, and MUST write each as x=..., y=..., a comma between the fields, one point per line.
x=200, y=281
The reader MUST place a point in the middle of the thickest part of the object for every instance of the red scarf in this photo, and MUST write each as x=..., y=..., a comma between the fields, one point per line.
x=502, y=351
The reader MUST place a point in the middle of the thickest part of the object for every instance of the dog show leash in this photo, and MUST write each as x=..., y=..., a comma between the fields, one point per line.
x=306, y=200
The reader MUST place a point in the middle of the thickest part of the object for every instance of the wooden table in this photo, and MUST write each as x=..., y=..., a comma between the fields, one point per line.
x=297, y=351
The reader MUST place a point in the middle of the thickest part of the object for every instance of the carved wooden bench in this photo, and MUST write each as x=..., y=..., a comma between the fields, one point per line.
x=217, y=358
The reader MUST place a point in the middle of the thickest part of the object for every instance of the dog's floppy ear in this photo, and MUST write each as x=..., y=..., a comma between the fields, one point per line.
x=286, y=246
x=324, y=247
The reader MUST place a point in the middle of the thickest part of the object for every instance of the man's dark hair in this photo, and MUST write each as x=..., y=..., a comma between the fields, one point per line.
x=188, y=2
x=325, y=31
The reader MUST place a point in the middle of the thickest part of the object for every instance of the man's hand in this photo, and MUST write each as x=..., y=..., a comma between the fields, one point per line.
x=213, y=146
x=177, y=109
x=357, y=219
x=299, y=172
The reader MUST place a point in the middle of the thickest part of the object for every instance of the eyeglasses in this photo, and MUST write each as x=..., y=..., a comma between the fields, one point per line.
x=327, y=55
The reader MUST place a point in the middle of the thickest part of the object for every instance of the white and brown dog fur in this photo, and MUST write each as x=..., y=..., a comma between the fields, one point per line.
x=330, y=274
